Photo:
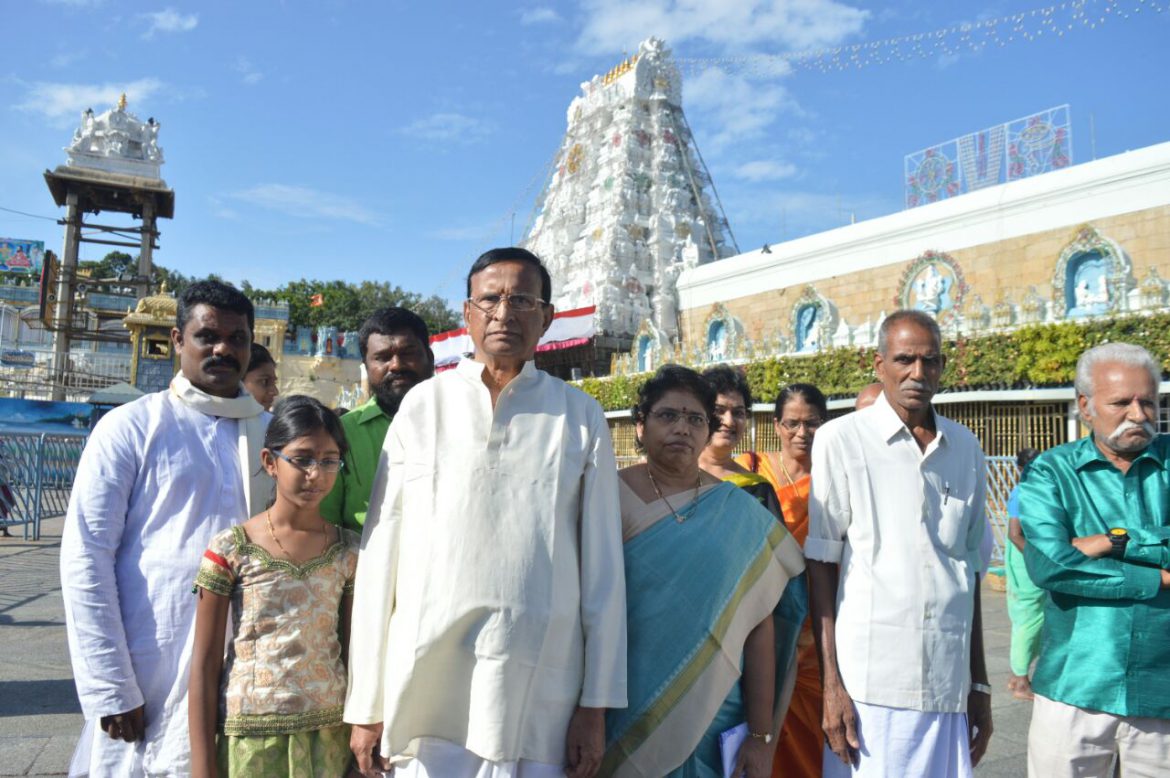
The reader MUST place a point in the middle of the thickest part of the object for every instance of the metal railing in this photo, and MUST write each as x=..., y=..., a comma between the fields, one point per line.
x=36, y=477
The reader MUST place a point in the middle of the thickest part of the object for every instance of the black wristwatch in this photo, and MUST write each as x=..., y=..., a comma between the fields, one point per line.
x=1118, y=539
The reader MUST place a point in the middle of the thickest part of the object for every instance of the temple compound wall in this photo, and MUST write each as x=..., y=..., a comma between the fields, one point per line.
x=1090, y=240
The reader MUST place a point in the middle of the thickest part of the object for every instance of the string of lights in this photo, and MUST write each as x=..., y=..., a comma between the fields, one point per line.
x=1052, y=21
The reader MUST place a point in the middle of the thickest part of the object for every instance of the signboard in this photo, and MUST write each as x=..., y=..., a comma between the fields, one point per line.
x=48, y=292
x=22, y=256
x=1035, y=144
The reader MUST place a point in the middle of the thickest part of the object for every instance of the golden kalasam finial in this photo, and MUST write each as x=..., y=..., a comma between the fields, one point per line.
x=122, y=102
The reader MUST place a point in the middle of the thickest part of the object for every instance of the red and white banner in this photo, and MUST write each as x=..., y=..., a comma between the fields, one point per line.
x=568, y=329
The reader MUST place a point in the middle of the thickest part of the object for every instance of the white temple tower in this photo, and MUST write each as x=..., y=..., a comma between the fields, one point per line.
x=630, y=203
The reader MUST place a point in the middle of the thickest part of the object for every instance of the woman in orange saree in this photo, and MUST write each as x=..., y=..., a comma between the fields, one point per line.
x=800, y=410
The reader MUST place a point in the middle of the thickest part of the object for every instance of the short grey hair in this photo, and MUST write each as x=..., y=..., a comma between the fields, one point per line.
x=923, y=320
x=1123, y=353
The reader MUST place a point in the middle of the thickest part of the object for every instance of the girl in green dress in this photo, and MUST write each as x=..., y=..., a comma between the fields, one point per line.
x=273, y=706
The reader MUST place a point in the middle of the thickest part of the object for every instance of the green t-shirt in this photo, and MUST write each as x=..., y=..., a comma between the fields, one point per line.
x=365, y=430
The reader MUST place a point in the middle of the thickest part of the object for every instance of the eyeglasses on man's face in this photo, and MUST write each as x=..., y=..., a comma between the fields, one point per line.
x=308, y=464
x=810, y=425
x=670, y=417
x=520, y=303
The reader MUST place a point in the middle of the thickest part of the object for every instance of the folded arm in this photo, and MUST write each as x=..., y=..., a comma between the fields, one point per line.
x=1056, y=564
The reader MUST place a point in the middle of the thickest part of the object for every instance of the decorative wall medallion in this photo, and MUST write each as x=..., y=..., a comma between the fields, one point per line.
x=1091, y=277
x=723, y=334
x=814, y=319
x=932, y=283
x=576, y=157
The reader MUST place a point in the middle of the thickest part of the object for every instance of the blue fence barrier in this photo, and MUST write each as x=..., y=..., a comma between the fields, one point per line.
x=36, y=476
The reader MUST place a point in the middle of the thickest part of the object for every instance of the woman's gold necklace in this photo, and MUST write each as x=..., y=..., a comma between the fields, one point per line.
x=785, y=469
x=677, y=517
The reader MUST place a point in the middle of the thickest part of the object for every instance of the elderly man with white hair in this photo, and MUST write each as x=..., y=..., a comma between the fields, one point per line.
x=1096, y=515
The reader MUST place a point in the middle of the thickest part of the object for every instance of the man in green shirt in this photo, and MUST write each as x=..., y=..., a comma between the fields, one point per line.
x=395, y=348
x=1096, y=515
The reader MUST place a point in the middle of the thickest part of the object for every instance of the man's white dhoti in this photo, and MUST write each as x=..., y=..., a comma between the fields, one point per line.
x=915, y=743
x=438, y=758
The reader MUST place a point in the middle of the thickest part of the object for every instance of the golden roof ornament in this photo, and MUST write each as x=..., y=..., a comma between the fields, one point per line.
x=122, y=102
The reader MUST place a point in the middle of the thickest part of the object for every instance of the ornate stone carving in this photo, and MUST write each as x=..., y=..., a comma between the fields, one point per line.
x=1153, y=289
x=932, y=283
x=116, y=142
x=1033, y=308
x=623, y=194
x=1091, y=276
x=1003, y=314
x=723, y=336
x=814, y=322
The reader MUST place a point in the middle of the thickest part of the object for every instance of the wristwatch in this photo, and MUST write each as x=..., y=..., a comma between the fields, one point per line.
x=1118, y=539
x=765, y=736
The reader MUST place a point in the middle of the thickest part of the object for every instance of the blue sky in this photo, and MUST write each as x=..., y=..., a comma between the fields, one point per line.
x=394, y=140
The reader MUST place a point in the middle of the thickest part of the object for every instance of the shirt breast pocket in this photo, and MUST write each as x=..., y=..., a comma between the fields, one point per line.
x=953, y=519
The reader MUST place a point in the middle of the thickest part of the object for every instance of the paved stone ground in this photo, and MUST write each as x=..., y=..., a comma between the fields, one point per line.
x=40, y=717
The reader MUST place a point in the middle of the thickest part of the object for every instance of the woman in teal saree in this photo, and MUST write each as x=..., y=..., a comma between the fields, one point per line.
x=706, y=568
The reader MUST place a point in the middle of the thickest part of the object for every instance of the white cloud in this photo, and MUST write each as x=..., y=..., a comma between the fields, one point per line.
x=731, y=108
x=222, y=211
x=542, y=15
x=611, y=25
x=248, y=72
x=304, y=202
x=448, y=127
x=765, y=170
x=168, y=20
x=62, y=103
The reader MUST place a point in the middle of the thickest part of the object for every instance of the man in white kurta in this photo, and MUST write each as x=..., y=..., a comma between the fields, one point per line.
x=157, y=479
x=490, y=581
x=896, y=518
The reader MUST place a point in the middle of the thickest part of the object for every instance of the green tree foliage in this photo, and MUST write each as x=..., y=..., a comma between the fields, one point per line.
x=118, y=263
x=346, y=306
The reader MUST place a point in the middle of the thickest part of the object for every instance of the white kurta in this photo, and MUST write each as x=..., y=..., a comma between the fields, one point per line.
x=490, y=593
x=156, y=481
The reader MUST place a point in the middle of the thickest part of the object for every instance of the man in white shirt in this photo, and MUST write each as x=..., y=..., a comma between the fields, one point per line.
x=157, y=479
x=491, y=576
x=895, y=522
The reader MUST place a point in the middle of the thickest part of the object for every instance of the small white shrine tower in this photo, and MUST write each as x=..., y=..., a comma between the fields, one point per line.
x=629, y=204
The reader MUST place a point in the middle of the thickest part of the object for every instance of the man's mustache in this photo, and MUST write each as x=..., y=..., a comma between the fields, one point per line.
x=408, y=375
x=1149, y=429
x=214, y=362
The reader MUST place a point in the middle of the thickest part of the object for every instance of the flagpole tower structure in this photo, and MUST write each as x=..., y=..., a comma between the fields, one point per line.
x=628, y=206
x=113, y=164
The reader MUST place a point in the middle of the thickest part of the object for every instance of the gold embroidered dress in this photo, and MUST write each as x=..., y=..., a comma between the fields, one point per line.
x=283, y=683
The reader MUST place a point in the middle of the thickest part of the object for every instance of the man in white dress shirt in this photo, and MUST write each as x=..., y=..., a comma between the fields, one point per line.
x=491, y=573
x=157, y=479
x=895, y=523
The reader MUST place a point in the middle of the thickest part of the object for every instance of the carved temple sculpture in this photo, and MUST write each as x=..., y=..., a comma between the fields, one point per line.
x=629, y=205
x=116, y=141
